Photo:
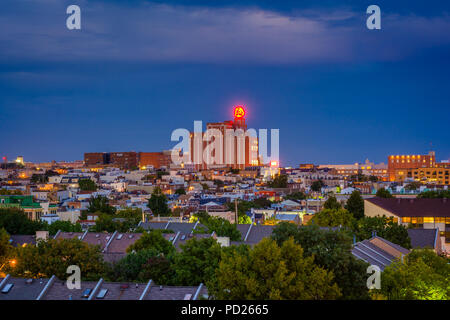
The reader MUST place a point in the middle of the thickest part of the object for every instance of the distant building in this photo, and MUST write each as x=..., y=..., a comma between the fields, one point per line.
x=32, y=209
x=417, y=213
x=409, y=162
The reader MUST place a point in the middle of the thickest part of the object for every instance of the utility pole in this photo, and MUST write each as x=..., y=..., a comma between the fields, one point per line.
x=235, y=211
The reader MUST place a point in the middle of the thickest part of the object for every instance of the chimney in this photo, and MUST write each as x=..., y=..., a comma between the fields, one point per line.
x=41, y=235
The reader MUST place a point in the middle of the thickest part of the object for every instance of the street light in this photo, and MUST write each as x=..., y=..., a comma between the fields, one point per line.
x=11, y=262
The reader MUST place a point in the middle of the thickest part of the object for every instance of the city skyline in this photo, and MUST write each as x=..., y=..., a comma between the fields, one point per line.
x=339, y=93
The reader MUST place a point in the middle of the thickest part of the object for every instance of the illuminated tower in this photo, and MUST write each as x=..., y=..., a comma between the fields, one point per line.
x=241, y=153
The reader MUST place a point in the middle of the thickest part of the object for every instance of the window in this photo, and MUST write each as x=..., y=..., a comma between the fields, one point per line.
x=439, y=220
x=428, y=220
x=406, y=219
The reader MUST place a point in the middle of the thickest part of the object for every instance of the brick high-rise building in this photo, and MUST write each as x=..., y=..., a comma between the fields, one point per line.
x=96, y=158
x=155, y=159
x=409, y=162
x=125, y=160
x=234, y=151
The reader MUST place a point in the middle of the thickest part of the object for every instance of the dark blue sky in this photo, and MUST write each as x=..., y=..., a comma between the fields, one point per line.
x=338, y=92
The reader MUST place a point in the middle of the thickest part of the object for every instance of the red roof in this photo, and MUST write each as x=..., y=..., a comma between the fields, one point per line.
x=414, y=207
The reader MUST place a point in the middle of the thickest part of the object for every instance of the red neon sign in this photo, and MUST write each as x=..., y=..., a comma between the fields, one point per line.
x=239, y=112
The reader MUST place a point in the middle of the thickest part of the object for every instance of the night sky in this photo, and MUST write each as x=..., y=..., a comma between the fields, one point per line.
x=338, y=92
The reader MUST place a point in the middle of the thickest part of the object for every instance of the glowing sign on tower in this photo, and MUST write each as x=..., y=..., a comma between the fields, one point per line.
x=239, y=112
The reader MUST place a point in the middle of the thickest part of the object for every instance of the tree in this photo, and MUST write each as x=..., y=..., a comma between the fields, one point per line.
x=332, y=218
x=159, y=174
x=152, y=240
x=261, y=202
x=279, y=181
x=296, y=196
x=158, y=203
x=65, y=226
x=245, y=219
x=15, y=221
x=123, y=221
x=384, y=227
x=332, y=251
x=332, y=203
x=180, y=191
x=222, y=227
x=87, y=185
x=268, y=271
x=53, y=257
x=434, y=194
x=197, y=261
x=141, y=266
x=317, y=185
x=6, y=192
x=412, y=186
x=100, y=204
x=219, y=183
x=384, y=193
x=355, y=205
x=205, y=186
x=6, y=249
x=422, y=275
x=283, y=231
x=38, y=178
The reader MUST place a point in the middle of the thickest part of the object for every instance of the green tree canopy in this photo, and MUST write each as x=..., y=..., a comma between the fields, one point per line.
x=296, y=196
x=180, y=191
x=279, y=181
x=384, y=193
x=355, y=205
x=158, y=203
x=152, y=240
x=222, y=227
x=142, y=266
x=65, y=226
x=422, y=275
x=434, y=194
x=268, y=271
x=332, y=251
x=6, y=249
x=197, y=261
x=317, y=185
x=384, y=227
x=15, y=221
x=332, y=203
x=100, y=204
x=52, y=257
x=6, y=192
x=332, y=218
x=87, y=185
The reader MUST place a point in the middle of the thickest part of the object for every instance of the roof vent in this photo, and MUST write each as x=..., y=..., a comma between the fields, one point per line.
x=183, y=237
x=160, y=288
x=86, y=293
x=29, y=281
x=102, y=293
x=119, y=236
x=97, y=235
x=130, y=236
x=7, y=288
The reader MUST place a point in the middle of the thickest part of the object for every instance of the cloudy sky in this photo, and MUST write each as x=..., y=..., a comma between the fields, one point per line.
x=139, y=69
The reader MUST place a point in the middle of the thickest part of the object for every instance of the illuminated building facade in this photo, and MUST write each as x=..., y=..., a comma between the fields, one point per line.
x=154, y=159
x=367, y=168
x=238, y=149
x=409, y=162
x=431, y=175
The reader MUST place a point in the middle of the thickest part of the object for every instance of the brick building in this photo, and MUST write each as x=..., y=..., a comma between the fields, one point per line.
x=409, y=162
